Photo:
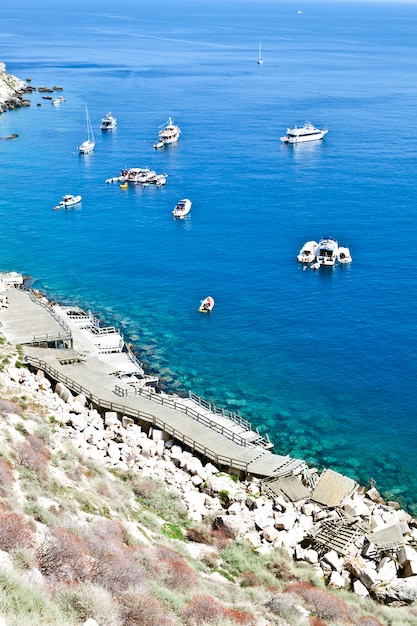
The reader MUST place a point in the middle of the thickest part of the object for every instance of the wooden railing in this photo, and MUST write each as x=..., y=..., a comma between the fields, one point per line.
x=48, y=337
x=177, y=404
x=139, y=415
x=235, y=417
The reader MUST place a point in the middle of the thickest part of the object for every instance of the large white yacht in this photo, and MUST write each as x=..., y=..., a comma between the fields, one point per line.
x=326, y=253
x=169, y=134
x=109, y=122
x=308, y=132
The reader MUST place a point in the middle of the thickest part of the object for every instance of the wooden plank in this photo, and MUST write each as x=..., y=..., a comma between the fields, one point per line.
x=289, y=487
x=333, y=489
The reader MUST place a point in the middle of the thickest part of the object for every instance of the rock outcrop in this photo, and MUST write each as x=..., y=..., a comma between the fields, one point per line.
x=12, y=90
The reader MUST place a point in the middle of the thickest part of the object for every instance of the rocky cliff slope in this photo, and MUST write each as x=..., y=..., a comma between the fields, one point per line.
x=12, y=90
x=102, y=524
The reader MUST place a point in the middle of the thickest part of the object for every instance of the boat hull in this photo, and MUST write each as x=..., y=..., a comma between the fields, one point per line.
x=206, y=305
x=343, y=255
x=307, y=253
x=303, y=138
x=182, y=209
x=68, y=201
x=86, y=147
x=308, y=132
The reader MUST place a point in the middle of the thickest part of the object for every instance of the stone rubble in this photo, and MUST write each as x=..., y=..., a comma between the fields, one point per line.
x=239, y=508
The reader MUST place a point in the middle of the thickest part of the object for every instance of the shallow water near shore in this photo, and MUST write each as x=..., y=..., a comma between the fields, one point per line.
x=322, y=361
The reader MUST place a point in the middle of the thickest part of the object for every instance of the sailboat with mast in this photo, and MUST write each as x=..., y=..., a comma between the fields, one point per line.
x=89, y=144
x=260, y=59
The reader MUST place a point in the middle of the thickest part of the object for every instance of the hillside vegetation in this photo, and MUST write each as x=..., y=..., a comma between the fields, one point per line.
x=81, y=543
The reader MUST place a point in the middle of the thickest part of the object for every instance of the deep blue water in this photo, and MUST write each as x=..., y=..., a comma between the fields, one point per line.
x=323, y=361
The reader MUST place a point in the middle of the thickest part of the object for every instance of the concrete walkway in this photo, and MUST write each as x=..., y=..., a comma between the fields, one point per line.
x=83, y=370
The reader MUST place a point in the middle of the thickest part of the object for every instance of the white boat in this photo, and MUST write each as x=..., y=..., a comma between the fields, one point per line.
x=160, y=144
x=182, y=209
x=67, y=201
x=206, y=305
x=58, y=100
x=89, y=144
x=260, y=59
x=108, y=122
x=308, y=132
x=326, y=253
x=169, y=134
x=308, y=252
x=160, y=180
x=142, y=176
x=343, y=255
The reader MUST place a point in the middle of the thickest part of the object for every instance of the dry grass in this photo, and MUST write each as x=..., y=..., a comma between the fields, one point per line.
x=174, y=570
x=15, y=531
x=6, y=477
x=321, y=603
x=65, y=557
x=140, y=609
x=117, y=569
x=34, y=455
x=207, y=610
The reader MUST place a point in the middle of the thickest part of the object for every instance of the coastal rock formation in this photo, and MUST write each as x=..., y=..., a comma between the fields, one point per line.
x=11, y=91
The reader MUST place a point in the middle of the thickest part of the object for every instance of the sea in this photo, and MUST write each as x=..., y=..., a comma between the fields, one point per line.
x=323, y=361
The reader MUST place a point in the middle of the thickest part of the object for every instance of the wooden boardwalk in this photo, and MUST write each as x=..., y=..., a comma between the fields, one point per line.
x=83, y=370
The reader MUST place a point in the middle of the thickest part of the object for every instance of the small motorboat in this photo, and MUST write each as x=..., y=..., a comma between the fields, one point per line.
x=58, y=100
x=206, y=305
x=182, y=209
x=123, y=186
x=108, y=122
x=160, y=144
x=67, y=201
x=160, y=180
x=343, y=255
x=308, y=252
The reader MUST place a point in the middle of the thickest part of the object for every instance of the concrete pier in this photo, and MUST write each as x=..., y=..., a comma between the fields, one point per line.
x=69, y=350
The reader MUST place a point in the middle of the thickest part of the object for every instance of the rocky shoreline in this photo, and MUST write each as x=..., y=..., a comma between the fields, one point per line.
x=12, y=91
x=380, y=562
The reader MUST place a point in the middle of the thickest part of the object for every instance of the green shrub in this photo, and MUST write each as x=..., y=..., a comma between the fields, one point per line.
x=154, y=495
x=172, y=599
x=172, y=531
x=39, y=513
x=24, y=605
x=88, y=601
x=240, y=557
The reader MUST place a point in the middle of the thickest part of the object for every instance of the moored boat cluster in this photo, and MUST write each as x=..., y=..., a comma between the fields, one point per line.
x=139, y=176
x=326, y=252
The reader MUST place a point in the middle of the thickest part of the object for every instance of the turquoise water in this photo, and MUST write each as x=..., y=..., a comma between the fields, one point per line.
x=322, y=361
